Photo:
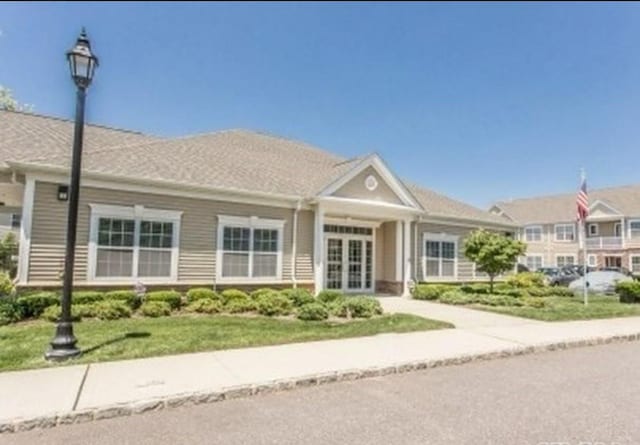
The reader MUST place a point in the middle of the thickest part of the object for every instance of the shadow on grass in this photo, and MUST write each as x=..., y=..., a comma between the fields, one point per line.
x=118, y=339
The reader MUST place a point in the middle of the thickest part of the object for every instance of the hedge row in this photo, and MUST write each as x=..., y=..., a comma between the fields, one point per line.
x=436, y=291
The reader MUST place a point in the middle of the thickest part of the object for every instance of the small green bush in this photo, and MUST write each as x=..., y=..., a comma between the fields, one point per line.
x=430, y=291
x=559, y=291
x=233, y=294
x=129, y=297
x=240, y=305
x=628, y=291
x=111, y=310
x=512, y=292
x=478, y=288
x=52, y=313
x=204, y=306
x=200, y=293
x=497, y=300
x=10, y=311
x=457, y=297
x=171, y=297
x=260, y=292
x=299, y=297
x=534, y=302
x=328, y=296
x=155, y=309
x=336, y=307
x=359, y=307
x=313, y=311
x=6, y=285
x=86, y=297
x=274, y=304
x=34, y=305
x=525, y=279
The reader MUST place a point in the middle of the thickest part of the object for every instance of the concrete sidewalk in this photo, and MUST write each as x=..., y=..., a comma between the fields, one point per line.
x=46, y=397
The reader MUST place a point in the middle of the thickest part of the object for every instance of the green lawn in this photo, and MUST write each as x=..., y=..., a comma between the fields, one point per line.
x=570, y=308
x=22, y=345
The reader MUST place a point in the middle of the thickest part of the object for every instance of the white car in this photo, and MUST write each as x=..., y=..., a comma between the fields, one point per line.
x=600, y=282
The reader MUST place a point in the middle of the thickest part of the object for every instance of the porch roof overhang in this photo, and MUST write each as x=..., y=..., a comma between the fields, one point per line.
x=357, y=208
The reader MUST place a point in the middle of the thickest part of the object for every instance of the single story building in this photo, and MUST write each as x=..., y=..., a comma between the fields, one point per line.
x=231, y=208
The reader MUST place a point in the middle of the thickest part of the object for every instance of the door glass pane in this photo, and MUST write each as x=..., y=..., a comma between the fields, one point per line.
x=369, y=263
x=334, y=263
x=355, y=264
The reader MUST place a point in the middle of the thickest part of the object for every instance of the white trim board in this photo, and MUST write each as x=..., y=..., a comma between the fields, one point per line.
x=25, y=230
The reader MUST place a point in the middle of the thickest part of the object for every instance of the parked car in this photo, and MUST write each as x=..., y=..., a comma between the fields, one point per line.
x=579, y=270
x=601, y=281
x=522, y=268
x=622, y=270
x=559, y=276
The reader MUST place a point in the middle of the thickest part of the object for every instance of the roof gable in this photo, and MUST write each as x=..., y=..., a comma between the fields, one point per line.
x=600, y=209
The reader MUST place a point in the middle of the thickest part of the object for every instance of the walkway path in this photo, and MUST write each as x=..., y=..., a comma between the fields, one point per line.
x=47, y=397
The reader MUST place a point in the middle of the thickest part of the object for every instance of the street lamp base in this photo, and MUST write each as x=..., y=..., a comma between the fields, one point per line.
x=63, y=345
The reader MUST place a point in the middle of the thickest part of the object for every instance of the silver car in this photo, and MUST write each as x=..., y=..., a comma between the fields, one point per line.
x=600, y=282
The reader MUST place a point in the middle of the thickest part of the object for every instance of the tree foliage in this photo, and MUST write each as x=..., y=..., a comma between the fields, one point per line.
x=493, y=253
x=8, y=102
x=8, y=254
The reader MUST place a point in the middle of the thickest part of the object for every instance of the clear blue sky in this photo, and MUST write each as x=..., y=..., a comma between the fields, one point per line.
x=479, y=101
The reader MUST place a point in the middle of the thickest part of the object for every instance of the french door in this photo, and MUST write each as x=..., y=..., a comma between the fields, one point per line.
x=349, y=263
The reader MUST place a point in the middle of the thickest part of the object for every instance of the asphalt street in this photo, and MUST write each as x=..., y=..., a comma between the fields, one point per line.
x=580, y=396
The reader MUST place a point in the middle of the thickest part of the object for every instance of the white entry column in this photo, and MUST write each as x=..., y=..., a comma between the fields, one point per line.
x=318, y=249
x=406, y=251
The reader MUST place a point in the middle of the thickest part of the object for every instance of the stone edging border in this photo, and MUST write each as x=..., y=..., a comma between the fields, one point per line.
x=236, y=392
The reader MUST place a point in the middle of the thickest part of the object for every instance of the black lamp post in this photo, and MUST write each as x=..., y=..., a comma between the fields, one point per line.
x=82, y=63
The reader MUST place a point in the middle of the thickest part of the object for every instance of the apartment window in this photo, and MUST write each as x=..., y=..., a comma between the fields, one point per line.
x=634, y=229
x=593, y=230
x=634, y=265
x=133, y=243
x=592, y=260
x=16, y=220
x=565, y=260
x=565, y=232
x=440, y=253
x=251, y=248
x=533, y=233
x=533, y=262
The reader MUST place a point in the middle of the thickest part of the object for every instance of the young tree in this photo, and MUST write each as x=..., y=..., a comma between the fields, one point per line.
x=8, y=102
x=493, y=253
x=8, y=254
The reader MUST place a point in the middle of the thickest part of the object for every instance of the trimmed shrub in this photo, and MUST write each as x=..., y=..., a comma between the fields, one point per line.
x=511, y=291
x=430, y=291
x=204, y=306
x=86, y=297
x=478, y=288
x=155, y=309
x=260, y=292
x=10, y=311
x=558, y=291
x=240, y=305
x=336, y=307
x=233, y=294
x=299, y=297
x=111, y=310
x=328, y=296
x=34, y=305
x=534, y=302
x=526, y=279
x=52, y=313
x=498, y=300
x=313, y=311
x=457, y=297
x=202, y=293
x=359, y=307
x=628, y=291
x=171, y=297
x=129, y=297
x=6, y=285
x=274, y=304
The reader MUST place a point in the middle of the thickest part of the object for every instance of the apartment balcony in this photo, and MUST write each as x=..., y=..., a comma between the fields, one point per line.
x=604, y=242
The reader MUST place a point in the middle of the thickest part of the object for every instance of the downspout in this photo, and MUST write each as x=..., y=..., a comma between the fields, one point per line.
x=294, y=244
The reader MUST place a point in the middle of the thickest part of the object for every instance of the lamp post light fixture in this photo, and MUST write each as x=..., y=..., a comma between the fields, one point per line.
x=82, y=63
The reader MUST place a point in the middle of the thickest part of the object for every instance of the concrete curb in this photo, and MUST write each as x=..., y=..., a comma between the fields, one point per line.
x=236, y=392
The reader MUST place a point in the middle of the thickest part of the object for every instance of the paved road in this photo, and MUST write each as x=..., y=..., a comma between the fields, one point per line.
x=580, y=396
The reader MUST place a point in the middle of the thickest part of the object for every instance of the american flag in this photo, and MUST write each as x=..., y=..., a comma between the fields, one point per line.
x=582, y=201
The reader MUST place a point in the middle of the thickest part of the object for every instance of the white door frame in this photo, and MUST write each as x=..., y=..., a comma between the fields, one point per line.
x=345, y=237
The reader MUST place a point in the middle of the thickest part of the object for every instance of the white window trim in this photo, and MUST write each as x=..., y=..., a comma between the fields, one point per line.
x=526, y=257
x=615, y=227
x=251, y=222
x=631, y=257
x=596, y=226
x=593, y=263
x=426, y=236
x=137, y=213
x=555, y=233
x=533, y=227
x=629, y=228
x=574, y=256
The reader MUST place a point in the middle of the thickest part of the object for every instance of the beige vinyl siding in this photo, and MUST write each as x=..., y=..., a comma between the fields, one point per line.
x=549, y=248
x=198, y=232
x=606, y=228
x=465, y=267
x=356, y=189
x=388, y=257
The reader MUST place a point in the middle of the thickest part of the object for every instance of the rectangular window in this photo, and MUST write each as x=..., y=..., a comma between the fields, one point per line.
x=634, y=229
x=565, y=260
x=565, y=232
x=533, y=233
x=250, y=248
x=132, y=242
x=592, y=260
x=593, y=229
x=533, y=262
x=635, y=264
x=439, y=258
x=16, y=220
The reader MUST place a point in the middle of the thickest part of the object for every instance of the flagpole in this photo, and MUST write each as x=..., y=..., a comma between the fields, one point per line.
x=585, y=289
